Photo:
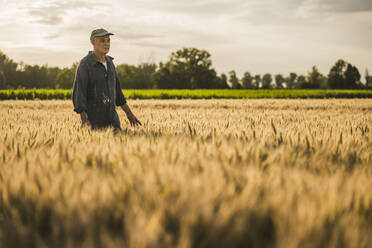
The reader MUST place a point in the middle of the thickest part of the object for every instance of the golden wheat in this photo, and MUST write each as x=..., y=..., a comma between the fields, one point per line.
x=198, y=173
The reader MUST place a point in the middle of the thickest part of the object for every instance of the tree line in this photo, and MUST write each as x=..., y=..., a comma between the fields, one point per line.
x=187, y=68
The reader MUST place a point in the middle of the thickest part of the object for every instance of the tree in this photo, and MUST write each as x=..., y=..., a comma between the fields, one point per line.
x=257, y=80
x=369, y=82
x=279, y=80
x=127, y=76
x=301, y=82
x=290, y=80
x=188, y=68
x=65, y=78
x=352, y=77
x=137, y=77
x=343, y=75
x=145, y=74
x=3, y=84
x=368, y=79
x=314, y=79
x=222, y=82
x=336, y=78
x=35, y=76
x=233, y=80
x=9, y=68
x=52, y=73
x=247, y=81
x=266, y=81
x=164, y=78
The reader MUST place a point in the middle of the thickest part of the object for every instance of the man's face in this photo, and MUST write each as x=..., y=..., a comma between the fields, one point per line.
x=101, y=44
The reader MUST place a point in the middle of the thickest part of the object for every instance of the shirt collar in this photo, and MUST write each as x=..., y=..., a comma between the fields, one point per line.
x=93, y=59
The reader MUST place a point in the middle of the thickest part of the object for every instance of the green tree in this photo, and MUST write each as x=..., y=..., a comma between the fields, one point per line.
x=301, y=82
x=3, y=84
x=234, y=80
x=247, y=81
x=314, y=79
x=127, y=76
x=266, y=81
x=35, y=76
x=9, y=68
x=137, y=77
x=65, y=78
x=257, y=81
x=222, y=82
x=352, y=77
x=368, y=79
x=145, y=72
x=369, y=82
x=291, y=80
x=343, y=75
x=163, y=78
x=188, y=68
x=336, y=78
x=52, y=73
x=279, y=80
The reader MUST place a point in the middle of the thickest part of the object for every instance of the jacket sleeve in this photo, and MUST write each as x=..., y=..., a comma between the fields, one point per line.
x=80, y=88
x=120, y=98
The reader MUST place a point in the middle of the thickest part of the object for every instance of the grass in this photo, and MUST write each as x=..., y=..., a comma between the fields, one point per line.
x=198, y=173
x=45, y=94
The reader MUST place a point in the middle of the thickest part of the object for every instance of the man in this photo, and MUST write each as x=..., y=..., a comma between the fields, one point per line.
x=96, y=91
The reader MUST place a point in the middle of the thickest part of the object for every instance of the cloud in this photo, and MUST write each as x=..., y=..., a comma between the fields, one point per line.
x=53, y=12
x=46, y=18
x=201, y=8
x=134, y=35
x=152, y=44
x=256, y=35
x=277, y=13
x=325, y=8
x=347, y=5
x=51, y=36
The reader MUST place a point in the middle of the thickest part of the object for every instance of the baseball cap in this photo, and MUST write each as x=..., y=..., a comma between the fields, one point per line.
x=99, y=33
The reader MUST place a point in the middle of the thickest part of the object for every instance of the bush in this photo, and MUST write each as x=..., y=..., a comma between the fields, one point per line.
x=61, y=94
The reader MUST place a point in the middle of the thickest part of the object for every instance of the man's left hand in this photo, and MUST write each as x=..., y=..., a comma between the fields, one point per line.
x=133, y=120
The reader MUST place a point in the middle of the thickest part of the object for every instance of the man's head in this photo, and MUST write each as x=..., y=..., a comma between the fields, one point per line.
x=100, y=40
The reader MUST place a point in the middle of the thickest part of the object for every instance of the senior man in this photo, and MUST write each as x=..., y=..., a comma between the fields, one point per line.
x=96, y=91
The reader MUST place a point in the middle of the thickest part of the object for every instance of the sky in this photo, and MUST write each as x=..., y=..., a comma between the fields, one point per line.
x=259, y=36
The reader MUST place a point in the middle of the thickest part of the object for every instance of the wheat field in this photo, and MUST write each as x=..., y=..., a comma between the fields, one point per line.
x=197, y=173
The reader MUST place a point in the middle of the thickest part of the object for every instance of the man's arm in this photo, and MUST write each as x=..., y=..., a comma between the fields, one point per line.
x=131, y=117
x=122, y=102
x=79, y=93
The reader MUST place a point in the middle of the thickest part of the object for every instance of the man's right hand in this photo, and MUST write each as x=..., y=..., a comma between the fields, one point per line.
x=85, y=124
x=84, y=119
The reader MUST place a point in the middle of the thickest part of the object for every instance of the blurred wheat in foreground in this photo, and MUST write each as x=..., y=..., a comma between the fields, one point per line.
x=198, y=173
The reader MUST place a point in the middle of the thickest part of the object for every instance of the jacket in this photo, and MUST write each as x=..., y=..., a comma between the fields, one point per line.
x=97, y=91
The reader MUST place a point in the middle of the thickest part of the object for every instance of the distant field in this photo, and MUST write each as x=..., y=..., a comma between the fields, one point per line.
x=44, y=94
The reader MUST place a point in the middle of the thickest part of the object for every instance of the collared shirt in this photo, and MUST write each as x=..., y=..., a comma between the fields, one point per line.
x=97, y=91
x=104, y=64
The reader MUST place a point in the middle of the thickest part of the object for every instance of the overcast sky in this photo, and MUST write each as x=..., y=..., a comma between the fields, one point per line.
x=258, y=36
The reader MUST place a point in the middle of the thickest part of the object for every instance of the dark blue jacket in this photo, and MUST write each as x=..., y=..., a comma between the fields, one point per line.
x=97, y=91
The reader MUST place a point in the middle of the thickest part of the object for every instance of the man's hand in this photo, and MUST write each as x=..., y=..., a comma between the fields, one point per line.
x=84, y=119
x=133, y=120
x=131, y=117
x=85, y=124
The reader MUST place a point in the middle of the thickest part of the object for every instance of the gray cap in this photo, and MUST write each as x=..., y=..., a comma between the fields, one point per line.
x=99, y=33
